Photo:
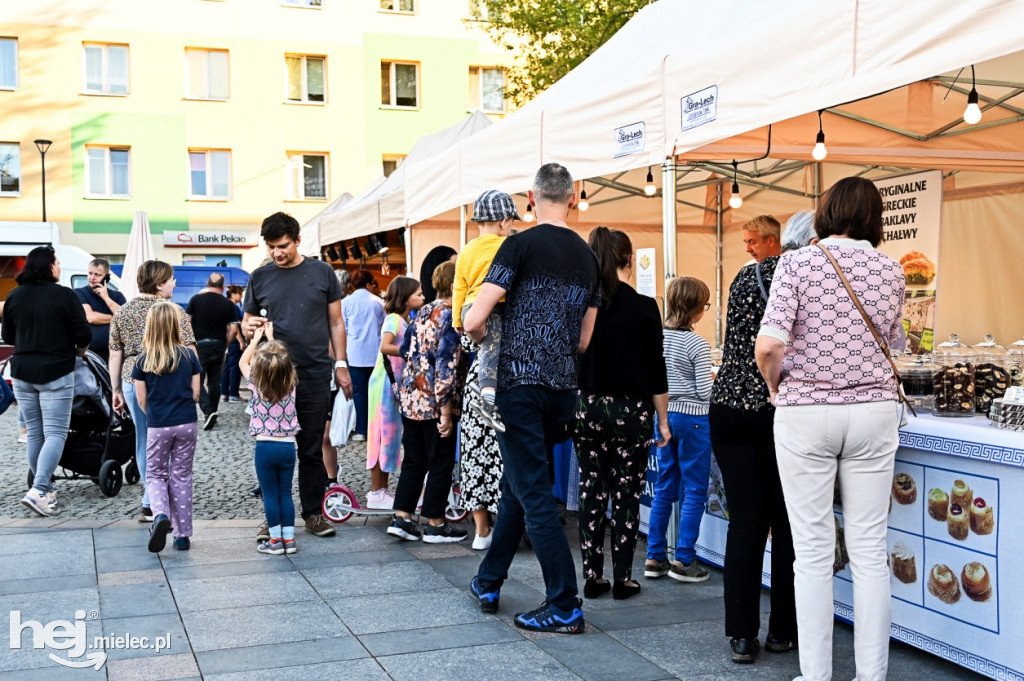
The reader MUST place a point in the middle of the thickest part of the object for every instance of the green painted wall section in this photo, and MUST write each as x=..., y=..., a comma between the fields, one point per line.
x=158, y=172
x=443, y=89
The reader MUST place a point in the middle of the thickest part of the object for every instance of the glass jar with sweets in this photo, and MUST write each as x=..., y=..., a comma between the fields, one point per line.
x=916, y=372
x=953, y=378
x=991, y=373
x=1016, y=359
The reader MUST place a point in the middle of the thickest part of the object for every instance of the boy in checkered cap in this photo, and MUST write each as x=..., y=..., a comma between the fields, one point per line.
x=494, y=212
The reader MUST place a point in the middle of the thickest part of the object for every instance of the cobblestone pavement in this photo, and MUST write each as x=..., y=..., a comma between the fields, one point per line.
x=223, y=475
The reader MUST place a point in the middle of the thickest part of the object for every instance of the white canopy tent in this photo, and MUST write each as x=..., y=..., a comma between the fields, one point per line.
x=309, y=242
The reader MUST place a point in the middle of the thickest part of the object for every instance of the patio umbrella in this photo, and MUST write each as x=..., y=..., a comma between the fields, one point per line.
x=140, y=249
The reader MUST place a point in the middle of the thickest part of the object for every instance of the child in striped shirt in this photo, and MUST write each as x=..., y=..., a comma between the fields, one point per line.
x=684, y=464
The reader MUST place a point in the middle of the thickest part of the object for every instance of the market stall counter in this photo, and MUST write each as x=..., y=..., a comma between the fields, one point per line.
x=958, y=577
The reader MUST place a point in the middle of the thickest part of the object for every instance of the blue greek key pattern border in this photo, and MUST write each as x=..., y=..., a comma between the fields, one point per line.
x=1006, y=456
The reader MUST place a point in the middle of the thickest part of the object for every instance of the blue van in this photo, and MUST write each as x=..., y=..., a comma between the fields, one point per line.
x=192, y=279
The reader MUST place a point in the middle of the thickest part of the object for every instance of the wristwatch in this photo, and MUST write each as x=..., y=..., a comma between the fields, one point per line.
x=341, y=364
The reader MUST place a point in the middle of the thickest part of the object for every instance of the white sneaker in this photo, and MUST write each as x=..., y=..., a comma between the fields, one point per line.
x=381, y=500
x=38, y=503
x=51, y=497
x=482, y=543
x=358, y=437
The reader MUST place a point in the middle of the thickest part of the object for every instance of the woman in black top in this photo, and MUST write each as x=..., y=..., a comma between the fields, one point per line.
x=46, y=325
x=622, y=383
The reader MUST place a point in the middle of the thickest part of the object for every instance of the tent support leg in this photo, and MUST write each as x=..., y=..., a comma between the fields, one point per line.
x=668, y=216
x=718, y=265
x=462, y=226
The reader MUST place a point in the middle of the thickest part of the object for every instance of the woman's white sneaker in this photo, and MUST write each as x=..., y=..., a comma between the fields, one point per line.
x=482, y=543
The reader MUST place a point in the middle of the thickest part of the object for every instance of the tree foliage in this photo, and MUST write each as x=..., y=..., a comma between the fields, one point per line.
x=550, y=36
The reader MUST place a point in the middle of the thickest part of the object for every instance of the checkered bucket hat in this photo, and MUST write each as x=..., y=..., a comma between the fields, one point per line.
x=494, y=206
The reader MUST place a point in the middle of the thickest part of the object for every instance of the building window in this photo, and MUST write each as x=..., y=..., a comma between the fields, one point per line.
x=206, y=74
x=308, y=176
x=303, y=3
x=107, y=173
x=391, y=163
x=487, y=89
x=105, y=69
x=306, y=78
x=10, y=169
x=404, y=6
x=8, y=63
x=209, y=174
x=399, y=84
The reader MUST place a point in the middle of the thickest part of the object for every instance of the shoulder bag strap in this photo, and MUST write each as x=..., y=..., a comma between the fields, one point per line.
x=760, y=282
x=871, y=327
x=387, y=367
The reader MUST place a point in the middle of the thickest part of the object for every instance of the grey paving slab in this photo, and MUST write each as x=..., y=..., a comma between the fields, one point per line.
x=152, y=576
x=498, y=662
x=393, y=554
x=410, y=610
x=275, y=655
x=247, y=567
x=458, y=571
x=35, y=585
x=261, y=625
x=669, y=612
x=364, y=670
x=428, y=551
x=133, y=535
x=135, y=600
x=158, y=668
x=55, y=604
x=121, y=559
x=691, y=649
x=215, y=593
x=438, y=638
x=346, y=540
x=66, y=543
x=31, y=520
x=148, y=626
x=357, y=580
x=58, y=565
x=601, y=658
x=81, y=524
x=55, y=672
x=212, y=552
x=26, y=657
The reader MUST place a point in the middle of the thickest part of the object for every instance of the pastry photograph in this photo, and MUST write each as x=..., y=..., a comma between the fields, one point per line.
x=943, y=585
x=976, y=582
x=917, y=270
x=938, y=504
x=961, y=494
x=982, y=517
x=904, y=564
x=904, y=489
x=957, y=522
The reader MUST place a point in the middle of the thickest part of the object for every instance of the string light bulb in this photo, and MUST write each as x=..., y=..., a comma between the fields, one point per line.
x=528, y=217
x=583, y=204
x=649, y=187
x=735, y=201
x=972, y=114
x=819, y=152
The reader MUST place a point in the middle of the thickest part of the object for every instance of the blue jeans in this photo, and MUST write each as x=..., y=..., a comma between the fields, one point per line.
x=684, y=466
x=231, y=379
x=275, y=469
x=47, y=411
x=361, y=395
x=141, y=427
x=536, y=419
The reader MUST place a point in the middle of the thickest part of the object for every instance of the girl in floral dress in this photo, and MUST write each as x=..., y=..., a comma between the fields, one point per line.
x=384, y=428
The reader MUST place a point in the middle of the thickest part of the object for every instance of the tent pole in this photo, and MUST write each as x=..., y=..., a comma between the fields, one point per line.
x=462, y=226
x=718, y=265
x=668, y=216
x=407, y=242
x=817, y=185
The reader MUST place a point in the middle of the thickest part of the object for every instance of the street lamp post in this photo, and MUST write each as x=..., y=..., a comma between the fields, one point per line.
x=43, y=146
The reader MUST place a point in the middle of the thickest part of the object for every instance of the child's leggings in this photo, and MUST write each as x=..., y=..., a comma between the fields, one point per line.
x=169, y=454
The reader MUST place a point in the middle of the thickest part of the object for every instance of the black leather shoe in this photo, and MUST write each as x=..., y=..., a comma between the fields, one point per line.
x=593, y=588
x=744, y=650
x=623, y=590
x=775, y=644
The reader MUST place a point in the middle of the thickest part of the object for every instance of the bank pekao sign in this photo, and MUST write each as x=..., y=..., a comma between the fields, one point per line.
x=190, y=239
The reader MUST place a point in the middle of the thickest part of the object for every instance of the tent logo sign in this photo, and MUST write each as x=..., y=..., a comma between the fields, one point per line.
x=699, y=108
x=630, y=139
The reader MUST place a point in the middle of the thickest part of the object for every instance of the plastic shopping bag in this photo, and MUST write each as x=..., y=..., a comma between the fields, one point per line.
x=343, y=420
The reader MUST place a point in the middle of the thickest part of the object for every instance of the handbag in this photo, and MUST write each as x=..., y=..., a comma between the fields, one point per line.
x=6, y=395
x=391, y=375
x=904, y=403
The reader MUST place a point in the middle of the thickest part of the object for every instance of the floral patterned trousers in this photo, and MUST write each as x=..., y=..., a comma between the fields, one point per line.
x=612, y=440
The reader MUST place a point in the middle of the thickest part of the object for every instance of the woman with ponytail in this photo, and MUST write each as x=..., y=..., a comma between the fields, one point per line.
x=622, y=384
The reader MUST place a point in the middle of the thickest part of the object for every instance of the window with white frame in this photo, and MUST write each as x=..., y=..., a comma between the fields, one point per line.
x=399, y=84
x=209, y=174
x=390, y=163
x=10, y=169
x=307, y=178
x=206, y=73
x=487, y=88
x=404, y=6
x=306, y=78
x=104, y=69
x=107, y=172
x=303, y=3
x=8, y=63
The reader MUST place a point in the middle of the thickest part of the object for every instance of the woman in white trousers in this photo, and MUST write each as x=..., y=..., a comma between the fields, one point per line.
x=837, y=415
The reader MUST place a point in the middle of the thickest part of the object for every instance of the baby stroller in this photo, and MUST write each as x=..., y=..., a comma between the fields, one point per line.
x=100, y=441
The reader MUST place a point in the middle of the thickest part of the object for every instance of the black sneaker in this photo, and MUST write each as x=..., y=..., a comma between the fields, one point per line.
x=744, y=650
x=775, y=644
x=158, y=533
x=145, y=515
x=445, y=533
x=211, y=421
x=488, y=599
x=544, y=619
x=404, y=528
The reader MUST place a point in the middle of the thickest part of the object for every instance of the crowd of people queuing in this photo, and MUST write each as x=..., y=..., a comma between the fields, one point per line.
x=523, y=341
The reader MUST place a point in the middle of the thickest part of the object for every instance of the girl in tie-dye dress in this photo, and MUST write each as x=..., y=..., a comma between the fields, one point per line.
x=384, y=429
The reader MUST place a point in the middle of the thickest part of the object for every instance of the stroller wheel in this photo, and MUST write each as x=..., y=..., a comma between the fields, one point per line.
x=31, y=478
x=110, y=478
x=131, y=472
x=338, y=504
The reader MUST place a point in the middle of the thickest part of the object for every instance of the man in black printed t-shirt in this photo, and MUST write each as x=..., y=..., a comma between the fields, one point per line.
x=551, y=283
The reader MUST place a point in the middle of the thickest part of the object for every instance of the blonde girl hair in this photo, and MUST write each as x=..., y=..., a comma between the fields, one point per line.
x=162, y=339
x=272, y=372
x=685, y=300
